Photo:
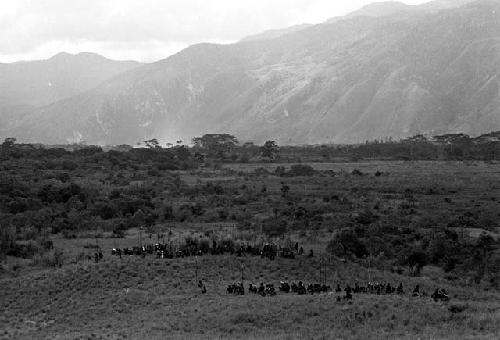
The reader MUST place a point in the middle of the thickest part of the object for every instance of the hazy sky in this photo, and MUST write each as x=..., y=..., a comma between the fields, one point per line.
x=147, y=30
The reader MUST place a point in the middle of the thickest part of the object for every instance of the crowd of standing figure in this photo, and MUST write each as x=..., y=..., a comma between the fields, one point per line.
x=270, y=251
x=171, y=250
x=376, y=288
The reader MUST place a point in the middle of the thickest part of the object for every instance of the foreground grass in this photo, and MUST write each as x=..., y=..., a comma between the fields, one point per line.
x=155, y=299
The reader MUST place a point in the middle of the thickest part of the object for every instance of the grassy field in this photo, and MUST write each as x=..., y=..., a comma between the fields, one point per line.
x=153, y=298
x=138, y=298
x=408, y=167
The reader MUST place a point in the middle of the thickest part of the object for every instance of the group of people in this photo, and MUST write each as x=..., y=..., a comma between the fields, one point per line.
x=98, y=256
x=161, y=251
x=170, y=251
x=263, y=289
x=372, y=288
x=268, y=289
x=236, y=289
x=440, y=294
x=300, y=288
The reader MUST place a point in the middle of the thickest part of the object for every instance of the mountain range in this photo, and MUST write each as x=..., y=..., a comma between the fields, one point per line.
x=25, y=86
x=386, y=70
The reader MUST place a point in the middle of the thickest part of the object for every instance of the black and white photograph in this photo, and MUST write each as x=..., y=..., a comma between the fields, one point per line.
x=236, y=169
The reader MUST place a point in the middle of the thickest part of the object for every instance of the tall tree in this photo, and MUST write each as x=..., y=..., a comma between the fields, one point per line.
x=216, y=145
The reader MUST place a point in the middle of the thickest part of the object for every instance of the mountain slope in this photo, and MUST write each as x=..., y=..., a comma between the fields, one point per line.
x=276, y=33
x=361, y=78
x=380, y=9
x=42, y=82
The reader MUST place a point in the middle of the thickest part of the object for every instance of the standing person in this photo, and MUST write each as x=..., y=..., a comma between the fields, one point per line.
x=202, y=286
x=348, y=292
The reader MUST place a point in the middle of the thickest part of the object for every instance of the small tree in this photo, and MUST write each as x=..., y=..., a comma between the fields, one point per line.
x=486, y=243
x=280, y=171
x=270, y=150
x=345, y=243
x=301, y=170
x=7, y=239
x=182, y=153
x=284, y=190
x=416, y=261
x=9, y=142
x=153, y=143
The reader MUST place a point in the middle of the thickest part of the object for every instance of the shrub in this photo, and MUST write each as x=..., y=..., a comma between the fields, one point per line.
x=416, y=261
x=154, y=173
x=7, y=239
x=345, y=243
x=53, y=258
x=273, y=227
x=301, y=170
x=280, y=171
x=365, y=217
x=105, y=211
x=115, y=194
x=25, y=251
x=69, y=165
x=204, y=245
x=356, y=172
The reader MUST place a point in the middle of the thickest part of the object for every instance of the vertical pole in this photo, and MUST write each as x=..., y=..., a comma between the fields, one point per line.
x=196, y=269
x=369, y=269
x=95, y=235
x=321, y=270
x=326, y=269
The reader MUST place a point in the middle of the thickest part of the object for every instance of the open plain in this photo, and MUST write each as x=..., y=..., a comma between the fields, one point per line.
x=393, y=208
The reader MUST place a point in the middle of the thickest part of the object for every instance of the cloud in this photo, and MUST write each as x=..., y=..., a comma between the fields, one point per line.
x=145, y=29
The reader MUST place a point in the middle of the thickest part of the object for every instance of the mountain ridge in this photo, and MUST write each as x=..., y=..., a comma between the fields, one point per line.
x=340, y=82
x=42, y=82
